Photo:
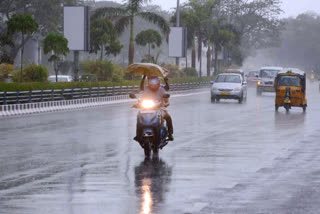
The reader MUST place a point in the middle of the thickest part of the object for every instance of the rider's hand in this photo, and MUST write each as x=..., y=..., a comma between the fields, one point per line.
x=136, y=105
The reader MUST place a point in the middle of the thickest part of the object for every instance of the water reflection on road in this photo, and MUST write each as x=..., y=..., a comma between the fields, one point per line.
x=152, y=179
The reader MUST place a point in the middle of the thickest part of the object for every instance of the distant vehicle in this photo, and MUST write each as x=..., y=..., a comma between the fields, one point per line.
x=61, y=78
x=267, y=76
x=291, y=90
x=235, y=71
x=229, y=86
x=252, y=78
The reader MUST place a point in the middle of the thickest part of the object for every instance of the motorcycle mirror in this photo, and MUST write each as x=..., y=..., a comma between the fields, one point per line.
x=167, y=96
x=132, y=96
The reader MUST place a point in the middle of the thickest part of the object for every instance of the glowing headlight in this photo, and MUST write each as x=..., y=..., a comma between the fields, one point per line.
x=237, y=89
x=147, y=104
x=258, y=83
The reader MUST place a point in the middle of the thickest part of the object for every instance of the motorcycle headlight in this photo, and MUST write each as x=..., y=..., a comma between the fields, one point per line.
x=258, y=83
x=147, y=104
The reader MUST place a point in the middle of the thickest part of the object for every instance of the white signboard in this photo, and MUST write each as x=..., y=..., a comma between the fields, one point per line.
x=177, y=42
x=76, y=27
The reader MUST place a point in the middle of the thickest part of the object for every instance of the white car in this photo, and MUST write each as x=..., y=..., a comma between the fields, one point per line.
x=267, y=76
x=61, y=78
x=229, y=86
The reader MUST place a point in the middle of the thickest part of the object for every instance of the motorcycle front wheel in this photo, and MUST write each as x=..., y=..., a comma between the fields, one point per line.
x=147, y=147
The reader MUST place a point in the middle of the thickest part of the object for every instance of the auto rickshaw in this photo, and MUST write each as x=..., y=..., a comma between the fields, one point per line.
x=290, y=89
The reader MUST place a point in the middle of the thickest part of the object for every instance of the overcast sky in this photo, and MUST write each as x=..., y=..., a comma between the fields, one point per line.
x=290, y=7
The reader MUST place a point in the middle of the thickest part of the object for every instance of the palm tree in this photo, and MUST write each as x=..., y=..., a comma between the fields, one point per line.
x=221, y=37
x=199, y=14
x=124, y=17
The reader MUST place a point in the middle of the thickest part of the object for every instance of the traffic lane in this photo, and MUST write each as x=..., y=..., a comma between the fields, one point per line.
x=198, y=162
x=234, y=148
x=291, y=185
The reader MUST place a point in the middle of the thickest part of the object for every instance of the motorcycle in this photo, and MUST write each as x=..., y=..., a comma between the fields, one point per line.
x=152, y=133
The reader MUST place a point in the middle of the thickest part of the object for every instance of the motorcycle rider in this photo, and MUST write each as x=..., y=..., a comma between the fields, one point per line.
x=166, y=81
x=156, y=92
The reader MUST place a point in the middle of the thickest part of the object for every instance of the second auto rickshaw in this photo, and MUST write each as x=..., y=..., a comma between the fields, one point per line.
x=290, y=89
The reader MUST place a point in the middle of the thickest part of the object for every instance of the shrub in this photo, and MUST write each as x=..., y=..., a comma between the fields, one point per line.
x=190, y=72
x=5, y=71
x=102, y=69
x=174, y=71
x=117, y=73
x=32, y=73
x=29, y=86
x=87, y=77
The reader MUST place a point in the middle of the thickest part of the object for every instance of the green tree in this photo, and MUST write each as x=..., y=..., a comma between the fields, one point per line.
x=57, y=45
x=25, y=25
x=220, y=38
x=125, y=16
x=257, y=22
x=200, y=13
x=5, y=41
x=104, y=38
x=48, y=14
x=150, y=38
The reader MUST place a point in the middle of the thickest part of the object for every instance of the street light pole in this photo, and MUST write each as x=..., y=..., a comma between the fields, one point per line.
x=178, y=25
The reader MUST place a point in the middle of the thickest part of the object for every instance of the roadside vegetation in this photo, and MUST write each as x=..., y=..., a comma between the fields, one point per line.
x=230, y=32
x=29, y=86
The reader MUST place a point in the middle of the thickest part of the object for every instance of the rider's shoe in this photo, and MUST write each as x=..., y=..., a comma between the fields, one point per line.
x=170, y=137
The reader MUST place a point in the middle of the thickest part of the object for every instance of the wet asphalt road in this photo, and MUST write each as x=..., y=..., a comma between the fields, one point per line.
x=226, y=158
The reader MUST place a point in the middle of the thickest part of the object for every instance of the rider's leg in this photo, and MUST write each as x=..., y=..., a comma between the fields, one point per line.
x=168, y=118
x=138, y=133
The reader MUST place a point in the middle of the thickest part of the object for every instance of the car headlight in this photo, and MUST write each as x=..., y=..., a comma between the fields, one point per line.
x=237, y=89
x=147, y=104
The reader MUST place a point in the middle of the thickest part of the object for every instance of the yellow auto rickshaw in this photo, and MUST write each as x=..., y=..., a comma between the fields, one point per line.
x=291, y=90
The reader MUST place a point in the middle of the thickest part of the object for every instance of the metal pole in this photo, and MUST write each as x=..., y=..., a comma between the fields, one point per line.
x=76, y=66
x=178, y=25
x=186, y=46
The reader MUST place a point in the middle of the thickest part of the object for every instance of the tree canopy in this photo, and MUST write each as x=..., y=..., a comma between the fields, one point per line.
x=150, y=38
x=299, y=43
x=57, y=45
x=103, y=36
x=124, y=17
x=23, y=24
